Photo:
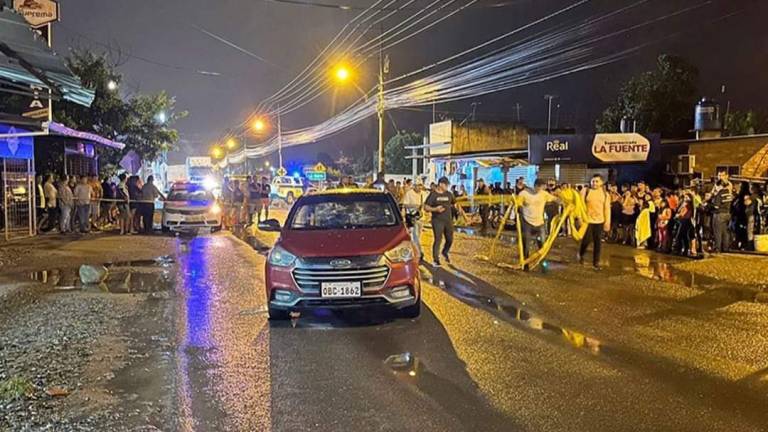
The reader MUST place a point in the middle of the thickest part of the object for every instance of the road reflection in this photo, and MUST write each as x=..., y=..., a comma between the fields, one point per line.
x=221, y=373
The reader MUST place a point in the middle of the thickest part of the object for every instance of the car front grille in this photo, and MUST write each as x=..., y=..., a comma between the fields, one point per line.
x=370, y=278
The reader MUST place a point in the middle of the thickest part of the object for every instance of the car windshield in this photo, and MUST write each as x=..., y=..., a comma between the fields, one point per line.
x=190, y=195
x=324, y=212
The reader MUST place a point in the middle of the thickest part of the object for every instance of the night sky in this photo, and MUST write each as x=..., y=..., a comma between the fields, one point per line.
x=162, y=48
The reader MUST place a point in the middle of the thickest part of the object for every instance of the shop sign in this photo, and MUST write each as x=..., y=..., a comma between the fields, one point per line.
x=16, y=147
x=559, y=148
x=37, y=12
x=629, y=147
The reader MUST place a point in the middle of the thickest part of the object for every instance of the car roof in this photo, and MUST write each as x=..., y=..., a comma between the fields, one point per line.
x=348, y=191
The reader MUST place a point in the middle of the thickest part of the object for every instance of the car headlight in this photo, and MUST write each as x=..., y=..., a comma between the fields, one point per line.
x=215, y=209
x=401, y=253
x=281, y=257
x=210, y=183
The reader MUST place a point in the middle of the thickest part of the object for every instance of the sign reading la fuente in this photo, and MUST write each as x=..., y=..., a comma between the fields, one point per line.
x=37, y=12
x=630, y=147
x=589, y=149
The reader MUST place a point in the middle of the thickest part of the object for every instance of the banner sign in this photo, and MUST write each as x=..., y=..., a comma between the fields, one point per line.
x=37, y=12
x=15, y=147
x=544, y=149
x=623, y=147
x=589, y=149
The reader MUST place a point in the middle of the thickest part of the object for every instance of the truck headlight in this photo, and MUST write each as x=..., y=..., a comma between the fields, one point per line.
x=281, y=258
x=400, y=253
x=215, y=209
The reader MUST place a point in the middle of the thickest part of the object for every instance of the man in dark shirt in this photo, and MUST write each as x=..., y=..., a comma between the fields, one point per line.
x=440, y=203
x=722, y=198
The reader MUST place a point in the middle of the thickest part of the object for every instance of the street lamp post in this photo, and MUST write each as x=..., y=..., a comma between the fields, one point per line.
x=549, y=112
x=279, y=139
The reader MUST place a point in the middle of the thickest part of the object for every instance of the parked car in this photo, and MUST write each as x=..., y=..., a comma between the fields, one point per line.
x=191, y=206
x=287, y=188
x=342, y=249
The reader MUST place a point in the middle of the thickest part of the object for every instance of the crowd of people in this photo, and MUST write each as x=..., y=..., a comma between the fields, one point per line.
x=81, y=204
x=687, y=221
x=245, y=200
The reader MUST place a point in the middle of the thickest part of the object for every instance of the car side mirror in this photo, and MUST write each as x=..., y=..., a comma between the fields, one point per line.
x=269, y=225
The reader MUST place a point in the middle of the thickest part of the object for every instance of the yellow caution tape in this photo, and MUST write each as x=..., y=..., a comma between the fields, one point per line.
x=574, y=209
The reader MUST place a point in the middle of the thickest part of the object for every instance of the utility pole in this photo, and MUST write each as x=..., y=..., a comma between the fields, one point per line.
x=549, y=112
x=279, y=139
x=380, y=114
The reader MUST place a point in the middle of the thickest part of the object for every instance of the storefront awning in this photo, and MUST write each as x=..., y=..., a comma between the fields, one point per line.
x=26, y=60
x=59, y=129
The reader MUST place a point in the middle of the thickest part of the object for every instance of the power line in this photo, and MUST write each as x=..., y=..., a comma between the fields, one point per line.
x=347, y=7
x=141, y=58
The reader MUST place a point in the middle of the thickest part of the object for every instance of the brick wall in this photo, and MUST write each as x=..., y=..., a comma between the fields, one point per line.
x=745, y=152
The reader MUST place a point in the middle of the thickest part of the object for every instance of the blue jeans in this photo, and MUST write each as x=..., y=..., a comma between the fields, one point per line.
x=83, y=212
x=65, y=218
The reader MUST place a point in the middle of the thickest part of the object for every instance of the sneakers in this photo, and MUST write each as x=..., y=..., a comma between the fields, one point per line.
x=436, y=263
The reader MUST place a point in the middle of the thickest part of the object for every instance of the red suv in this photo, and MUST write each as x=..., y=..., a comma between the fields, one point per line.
x=344, y=248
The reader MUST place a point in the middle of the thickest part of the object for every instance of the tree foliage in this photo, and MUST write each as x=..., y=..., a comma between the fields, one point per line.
x=395, y=152
x=136, y=121
x=746, y=123
x=660, y=101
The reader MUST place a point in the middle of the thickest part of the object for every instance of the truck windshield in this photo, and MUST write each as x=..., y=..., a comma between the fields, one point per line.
x=354, y=211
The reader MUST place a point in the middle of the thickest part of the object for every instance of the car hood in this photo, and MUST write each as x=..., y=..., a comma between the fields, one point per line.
x=342, y=243
x=188, y=205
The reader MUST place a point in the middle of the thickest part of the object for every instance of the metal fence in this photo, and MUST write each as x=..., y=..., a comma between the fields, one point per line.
x=18, y=183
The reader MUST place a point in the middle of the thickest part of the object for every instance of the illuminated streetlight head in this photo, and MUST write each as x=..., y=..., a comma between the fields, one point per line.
x=342, y=74
x=111, y=85
x=231, y=144
x=217, y=152
x=259, y=125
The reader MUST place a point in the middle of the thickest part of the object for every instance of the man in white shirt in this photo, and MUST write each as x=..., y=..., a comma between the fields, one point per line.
x=533, y=223
x=82, y=195
x=413, y=203
x=51, y=196
x=598, y=205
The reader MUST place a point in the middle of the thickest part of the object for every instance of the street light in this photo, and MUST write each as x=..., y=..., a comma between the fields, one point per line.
x=217, y=152
x=111, y=85
x=231, y=144
x=266, y=164
x=342, y=73
x=259, y=125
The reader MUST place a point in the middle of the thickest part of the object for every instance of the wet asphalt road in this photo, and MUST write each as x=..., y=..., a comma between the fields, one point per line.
x=467, y=364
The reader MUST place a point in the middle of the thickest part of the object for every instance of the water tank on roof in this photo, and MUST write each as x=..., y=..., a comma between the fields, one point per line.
x=707, y=116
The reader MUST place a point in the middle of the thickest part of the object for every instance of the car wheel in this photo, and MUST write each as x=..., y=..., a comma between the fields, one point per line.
x=278, y=314
x=411, y=311
x=289, y=198
x=165, y=228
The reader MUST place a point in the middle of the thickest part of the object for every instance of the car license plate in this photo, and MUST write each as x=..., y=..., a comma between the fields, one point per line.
x=340, y=289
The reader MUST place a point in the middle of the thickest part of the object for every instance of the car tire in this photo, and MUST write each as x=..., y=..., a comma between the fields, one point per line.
x=165, y=228
x=412, y=311
x=278, y=314
x=289, y=198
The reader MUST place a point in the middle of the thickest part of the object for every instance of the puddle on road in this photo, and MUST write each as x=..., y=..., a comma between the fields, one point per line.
x=455, y=282
x=123, y=277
